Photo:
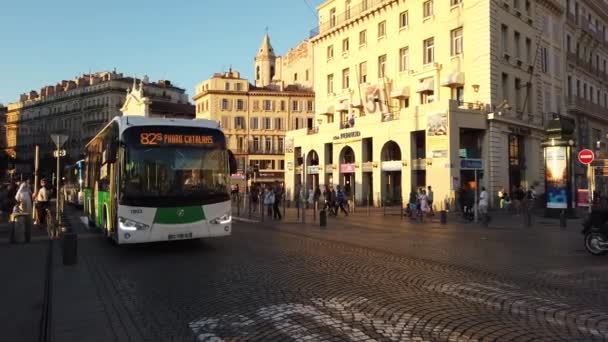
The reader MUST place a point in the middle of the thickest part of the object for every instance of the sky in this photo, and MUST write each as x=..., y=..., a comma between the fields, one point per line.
x=185, y=41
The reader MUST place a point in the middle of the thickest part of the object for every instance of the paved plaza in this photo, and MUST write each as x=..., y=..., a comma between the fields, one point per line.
x=360, y=278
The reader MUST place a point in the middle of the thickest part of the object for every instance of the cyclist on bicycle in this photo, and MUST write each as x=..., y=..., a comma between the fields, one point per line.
x=42, y=202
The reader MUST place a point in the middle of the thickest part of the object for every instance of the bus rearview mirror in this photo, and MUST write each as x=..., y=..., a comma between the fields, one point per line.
x=232, y=162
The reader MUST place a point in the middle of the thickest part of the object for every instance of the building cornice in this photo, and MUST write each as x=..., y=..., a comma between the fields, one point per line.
x=552, y=5
x=356, y=19
x=253, y=93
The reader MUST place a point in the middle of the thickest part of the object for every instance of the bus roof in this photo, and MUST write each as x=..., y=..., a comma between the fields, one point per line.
x=127, y=121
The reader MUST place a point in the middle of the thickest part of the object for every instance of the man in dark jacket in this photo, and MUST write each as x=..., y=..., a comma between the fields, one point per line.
x=340, y=201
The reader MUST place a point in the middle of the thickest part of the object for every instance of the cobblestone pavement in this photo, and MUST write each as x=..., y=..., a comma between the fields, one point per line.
x=275, y=283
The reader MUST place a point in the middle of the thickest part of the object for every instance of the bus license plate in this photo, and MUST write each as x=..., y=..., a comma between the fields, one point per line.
x=180, y=236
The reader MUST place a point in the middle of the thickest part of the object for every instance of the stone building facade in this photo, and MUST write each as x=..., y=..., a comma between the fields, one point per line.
x=431, y=93
x=78, y=108
x=255, y=118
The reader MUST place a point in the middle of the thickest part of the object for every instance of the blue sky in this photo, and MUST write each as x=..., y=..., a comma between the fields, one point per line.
x=185, y=41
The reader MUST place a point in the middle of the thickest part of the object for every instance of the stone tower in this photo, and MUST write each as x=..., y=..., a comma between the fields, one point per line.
x=265, y=63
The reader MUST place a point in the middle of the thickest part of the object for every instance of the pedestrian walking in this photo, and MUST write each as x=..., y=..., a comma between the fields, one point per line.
x=429, y=197
x=311, y=198
x=254, y=194
x=340, y=201
x=268, y=200
x=316, y=197
x=412, y=203
x=278, y=197
x=518, y=198
x=42, y=198
x=424, y=204
x=483, y=205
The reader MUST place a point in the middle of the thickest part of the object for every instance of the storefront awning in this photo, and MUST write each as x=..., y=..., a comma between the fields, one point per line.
x=426, y=85
x=330, y=110
x=453, y=79
x=343, y=107
x=401, y=93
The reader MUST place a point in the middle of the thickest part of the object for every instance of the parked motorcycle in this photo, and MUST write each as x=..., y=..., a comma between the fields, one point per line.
x=595, y=230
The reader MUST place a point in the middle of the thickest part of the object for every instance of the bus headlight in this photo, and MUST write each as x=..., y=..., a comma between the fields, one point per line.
x=226, y=218
x=128, y=224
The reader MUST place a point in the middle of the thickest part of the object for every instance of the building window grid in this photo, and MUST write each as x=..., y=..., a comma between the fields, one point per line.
x=382, y=29
x=382, y=66
x=330, y=83
x=429, y=50
x=330, y=52
x=404, y=56
x=427, y=9
x=345, y=78
x=457, y=41
x=363, y=72
x=362, y=37
x=404, y=19
x=345, y=45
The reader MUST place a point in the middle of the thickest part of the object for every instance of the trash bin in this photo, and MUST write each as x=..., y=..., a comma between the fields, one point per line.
x=323, y=218
x=70, y=248
x=443, y=217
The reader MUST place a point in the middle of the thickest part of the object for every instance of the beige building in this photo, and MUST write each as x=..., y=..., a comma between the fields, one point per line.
x=78, y=108
x=586, y=84
x=430, y=93
x=256, y=118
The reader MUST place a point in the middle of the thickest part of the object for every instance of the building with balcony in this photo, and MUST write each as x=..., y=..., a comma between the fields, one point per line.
x=417, y=94
x=78, y=108
x=586, y=85
x=255, y=118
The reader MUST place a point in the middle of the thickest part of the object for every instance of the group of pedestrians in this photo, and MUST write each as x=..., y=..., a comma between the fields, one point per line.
x=18, y=200
x=420, y=203
x=519, y=201
x=270, y=196
x=335, y=200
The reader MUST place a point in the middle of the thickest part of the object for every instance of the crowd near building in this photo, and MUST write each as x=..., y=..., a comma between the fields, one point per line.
x=385, y=97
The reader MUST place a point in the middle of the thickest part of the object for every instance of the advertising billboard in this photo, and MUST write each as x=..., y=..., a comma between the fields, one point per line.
x=556, y=177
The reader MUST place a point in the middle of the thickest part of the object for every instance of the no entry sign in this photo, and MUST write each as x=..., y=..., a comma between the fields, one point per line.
x=586, y=156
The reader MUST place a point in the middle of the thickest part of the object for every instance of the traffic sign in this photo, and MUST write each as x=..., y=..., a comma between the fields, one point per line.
x=59, y=139
x=586, y=156
x=59, y=153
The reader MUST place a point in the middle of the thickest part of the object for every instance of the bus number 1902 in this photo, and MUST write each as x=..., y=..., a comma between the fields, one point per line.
x=150, y=138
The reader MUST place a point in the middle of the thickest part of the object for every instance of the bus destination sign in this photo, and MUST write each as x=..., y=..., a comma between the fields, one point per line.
x=151, y=138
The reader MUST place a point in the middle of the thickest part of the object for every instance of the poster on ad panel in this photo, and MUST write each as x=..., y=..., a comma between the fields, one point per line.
x=556, y=176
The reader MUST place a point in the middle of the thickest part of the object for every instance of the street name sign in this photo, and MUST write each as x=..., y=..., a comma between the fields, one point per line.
x=59, y=153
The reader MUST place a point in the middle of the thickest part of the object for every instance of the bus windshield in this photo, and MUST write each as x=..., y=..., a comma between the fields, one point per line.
x=162, y=175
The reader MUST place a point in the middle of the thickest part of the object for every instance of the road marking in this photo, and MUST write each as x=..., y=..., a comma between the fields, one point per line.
x=242, y=219
x=518, y=303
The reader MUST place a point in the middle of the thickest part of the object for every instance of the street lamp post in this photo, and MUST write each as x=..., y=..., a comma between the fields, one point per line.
x=59, y=140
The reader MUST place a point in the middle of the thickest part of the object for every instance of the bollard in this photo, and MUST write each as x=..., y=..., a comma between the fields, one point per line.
x=322, y=218
x=443, y=217
x=563, y=223
x=70, y=248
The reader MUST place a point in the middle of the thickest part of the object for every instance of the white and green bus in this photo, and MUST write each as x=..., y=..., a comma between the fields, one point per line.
x=151, y=179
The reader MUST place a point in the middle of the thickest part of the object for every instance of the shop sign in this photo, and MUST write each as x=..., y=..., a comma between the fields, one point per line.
x=582, y=198
x=347, y=135
x=299, y=169
x=313, y=170
x=520, y=130
x=270, y=175
x=368, y=166
x=329, y=168
x=440, y=153
x=347, y=168
x=237, y=176
x=393, y=165
x=471, y=164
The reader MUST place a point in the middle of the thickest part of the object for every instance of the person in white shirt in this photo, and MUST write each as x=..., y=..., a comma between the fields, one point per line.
x=483, y=203
x=23, y=207
x=42, y=202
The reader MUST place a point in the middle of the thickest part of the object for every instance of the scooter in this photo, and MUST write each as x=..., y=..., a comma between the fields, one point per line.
x=595, y=230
